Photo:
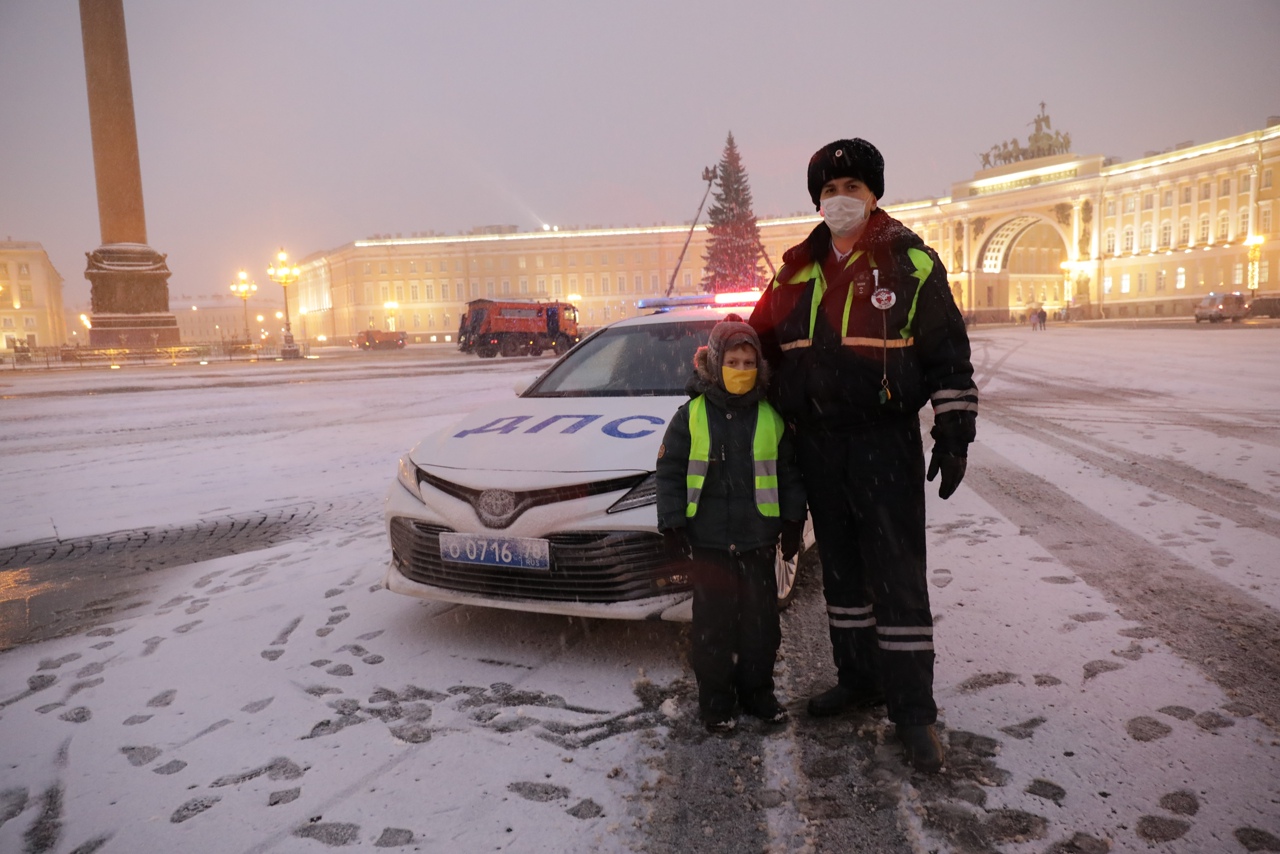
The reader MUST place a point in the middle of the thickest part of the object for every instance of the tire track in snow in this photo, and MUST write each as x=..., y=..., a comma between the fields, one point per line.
x=1225, y=633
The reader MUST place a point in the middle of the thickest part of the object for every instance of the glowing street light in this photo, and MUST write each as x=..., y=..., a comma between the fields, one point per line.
x=284, y=276
x=242, y=288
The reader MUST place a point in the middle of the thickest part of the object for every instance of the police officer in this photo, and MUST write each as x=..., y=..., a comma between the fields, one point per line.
x=861, y=330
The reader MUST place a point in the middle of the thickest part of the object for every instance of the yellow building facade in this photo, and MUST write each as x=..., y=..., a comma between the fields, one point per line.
x=31, y=313
x=1073, y=234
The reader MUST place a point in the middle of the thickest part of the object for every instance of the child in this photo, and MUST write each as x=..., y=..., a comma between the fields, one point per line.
x=728, y=486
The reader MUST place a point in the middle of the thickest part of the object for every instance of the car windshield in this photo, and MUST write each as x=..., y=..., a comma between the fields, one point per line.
x=649, y=359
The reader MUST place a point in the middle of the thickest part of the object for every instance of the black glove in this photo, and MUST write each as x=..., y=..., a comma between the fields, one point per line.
x=792, y=536
x=676, y=545
x=952, y=468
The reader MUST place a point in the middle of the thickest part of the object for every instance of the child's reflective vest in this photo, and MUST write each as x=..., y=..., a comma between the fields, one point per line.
x=764, y=453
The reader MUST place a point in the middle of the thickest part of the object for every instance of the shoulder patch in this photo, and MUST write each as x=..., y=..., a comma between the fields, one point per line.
x=662, y=449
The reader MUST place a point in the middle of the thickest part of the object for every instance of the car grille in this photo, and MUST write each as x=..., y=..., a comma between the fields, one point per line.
x=588, y=566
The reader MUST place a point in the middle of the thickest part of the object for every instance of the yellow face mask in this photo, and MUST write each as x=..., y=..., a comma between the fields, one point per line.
x=738, y=382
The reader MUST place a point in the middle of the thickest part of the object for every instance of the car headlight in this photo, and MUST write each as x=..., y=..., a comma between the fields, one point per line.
x=407, y=474
x=643, y=493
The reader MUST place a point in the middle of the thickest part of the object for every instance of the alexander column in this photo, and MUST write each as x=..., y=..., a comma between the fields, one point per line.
x=129, y=280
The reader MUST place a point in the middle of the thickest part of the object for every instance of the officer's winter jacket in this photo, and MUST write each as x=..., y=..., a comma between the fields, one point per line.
x=727, y=516
x=841, y=362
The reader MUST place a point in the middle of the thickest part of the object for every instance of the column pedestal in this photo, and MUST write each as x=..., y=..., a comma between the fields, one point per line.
x=129, y=296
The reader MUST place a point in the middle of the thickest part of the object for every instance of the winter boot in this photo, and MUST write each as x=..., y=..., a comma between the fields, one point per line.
x=921, y=747
x=842, y=698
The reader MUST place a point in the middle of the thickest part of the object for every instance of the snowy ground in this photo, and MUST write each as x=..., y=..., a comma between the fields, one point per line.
x=1105, y=584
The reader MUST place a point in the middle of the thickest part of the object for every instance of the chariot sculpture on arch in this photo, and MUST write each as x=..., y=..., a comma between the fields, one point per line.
x=1040, y=143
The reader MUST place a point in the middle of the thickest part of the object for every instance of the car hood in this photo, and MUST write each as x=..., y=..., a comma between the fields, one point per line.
x=566, y=435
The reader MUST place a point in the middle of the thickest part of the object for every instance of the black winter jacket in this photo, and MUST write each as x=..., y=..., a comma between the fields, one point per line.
x=828, y=371
x=727, y=515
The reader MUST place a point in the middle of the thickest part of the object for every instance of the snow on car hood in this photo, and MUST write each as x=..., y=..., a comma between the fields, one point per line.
x=541, y=434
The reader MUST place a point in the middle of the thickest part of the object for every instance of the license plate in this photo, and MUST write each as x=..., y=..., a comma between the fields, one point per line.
x=518, y=552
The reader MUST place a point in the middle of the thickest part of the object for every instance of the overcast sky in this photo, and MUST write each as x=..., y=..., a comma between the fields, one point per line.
x=312, y=123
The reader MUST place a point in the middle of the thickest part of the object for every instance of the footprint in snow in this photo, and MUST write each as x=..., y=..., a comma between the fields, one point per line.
x=941, y=578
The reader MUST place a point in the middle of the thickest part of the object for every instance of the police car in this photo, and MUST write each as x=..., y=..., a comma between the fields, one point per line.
x=547, y=502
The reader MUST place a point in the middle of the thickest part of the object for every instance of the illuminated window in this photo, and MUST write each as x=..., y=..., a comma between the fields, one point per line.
x=520, y=262
x=506, y=287
x=1206, y=191
x=1130, y=204
x=1266, y=179
x=1238, y=278
x=1160, y=280
x=1264, y=271
x=1146, y=236
x=1180, y=280
x=1226, y=187
x=1186, y=195
x=1142, y=283
x=555, y=286
x=385, y=290
x=1244, y=222
x=1109, y=243
x=1111, y=207
x=1106, y=286
x=1166, y=234
x=1246, y=181
x=399, y=293
x=1128, y=239
x=1224, y=225
x=1184, y=232
x=1124, y=283
x=1204, y=228
x=524, y=284
x=1265, y=221
x=413, y=266
x=414, y=292
x=1166, y=199
x=429, y=290
x=542, y=284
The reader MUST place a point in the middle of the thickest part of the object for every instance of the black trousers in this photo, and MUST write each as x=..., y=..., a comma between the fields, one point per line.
x=866, y=497
x=736, y=629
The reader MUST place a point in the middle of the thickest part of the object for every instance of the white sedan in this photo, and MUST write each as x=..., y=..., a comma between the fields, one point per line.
x=548, y=502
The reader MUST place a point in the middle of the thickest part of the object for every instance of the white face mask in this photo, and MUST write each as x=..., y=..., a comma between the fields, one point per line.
x=843, y=214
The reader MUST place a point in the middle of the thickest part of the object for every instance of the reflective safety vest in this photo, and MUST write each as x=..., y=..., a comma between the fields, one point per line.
x=764, y=453
x=813, y=272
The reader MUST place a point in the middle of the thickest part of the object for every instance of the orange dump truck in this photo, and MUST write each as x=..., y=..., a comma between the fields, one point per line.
x=517, y=328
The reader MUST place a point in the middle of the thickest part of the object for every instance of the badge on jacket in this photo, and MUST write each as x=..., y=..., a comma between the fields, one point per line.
x=883, y=299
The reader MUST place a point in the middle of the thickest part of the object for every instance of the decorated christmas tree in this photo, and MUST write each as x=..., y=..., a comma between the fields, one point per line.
x=732, y=262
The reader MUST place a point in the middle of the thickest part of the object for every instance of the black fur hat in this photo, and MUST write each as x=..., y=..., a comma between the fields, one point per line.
x=846, y=158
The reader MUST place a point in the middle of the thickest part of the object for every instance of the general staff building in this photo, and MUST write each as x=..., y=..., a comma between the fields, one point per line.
x=1077, y=235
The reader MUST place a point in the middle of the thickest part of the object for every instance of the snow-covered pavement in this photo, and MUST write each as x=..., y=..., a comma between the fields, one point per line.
x=1105, y=584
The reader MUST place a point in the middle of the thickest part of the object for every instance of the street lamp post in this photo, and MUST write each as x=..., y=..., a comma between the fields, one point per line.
x=242, y=288
x=284, y=276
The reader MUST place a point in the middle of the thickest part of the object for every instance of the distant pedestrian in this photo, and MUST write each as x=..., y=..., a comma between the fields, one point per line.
x=728, y=487
x=862, y=329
